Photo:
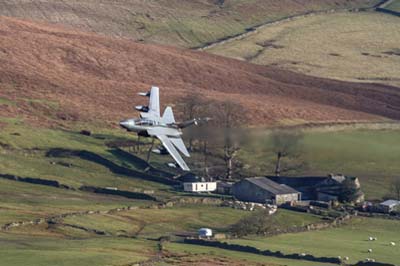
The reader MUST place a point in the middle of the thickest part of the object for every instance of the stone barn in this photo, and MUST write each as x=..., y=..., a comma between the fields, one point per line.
x=324, y=188
x=389, y=206
x=263, y=190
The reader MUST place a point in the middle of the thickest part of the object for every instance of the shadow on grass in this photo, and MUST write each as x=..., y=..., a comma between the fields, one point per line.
x=138, y=163
x=36, y=181
x=122, y=193
x=113, y=167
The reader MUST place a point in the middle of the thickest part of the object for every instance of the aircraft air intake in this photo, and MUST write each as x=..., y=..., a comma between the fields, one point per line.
x=142, y=108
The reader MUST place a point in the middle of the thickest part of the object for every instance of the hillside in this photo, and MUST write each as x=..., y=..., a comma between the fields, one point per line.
x=352, y=46
x=174, y=22
x=51, y=74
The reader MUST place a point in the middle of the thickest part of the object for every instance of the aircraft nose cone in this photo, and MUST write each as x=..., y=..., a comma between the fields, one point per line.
x=125, y=124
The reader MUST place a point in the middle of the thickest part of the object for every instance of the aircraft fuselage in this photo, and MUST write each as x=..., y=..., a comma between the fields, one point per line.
x=144, y=127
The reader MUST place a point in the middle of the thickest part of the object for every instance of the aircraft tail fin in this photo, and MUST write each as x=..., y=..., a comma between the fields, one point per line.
x=168, y=116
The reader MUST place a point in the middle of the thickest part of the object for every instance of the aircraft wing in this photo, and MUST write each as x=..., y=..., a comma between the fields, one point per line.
x=180, y=145
x=154, y=105
x=168, y=144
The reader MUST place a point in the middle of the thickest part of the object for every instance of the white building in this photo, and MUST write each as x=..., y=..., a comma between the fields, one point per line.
x=200, y=186
x=205, y=233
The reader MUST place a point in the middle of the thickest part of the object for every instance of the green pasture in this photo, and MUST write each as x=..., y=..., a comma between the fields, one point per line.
x=25, y=149
x=23, y=201
x=23, y=152
x=23, y=249
x=243, y=258
x=159, y=222
x=180, y=219
x=350, y=240
x=326, y=45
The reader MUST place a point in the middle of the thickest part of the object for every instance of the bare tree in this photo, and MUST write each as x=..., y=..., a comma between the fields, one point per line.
x=284, y=144
x=259, y=222
x=230, y=116
x=193, y=106
x=395, y=188
x=221, y=133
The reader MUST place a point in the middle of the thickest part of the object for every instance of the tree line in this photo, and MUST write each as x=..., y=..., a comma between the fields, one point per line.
x=224, y=136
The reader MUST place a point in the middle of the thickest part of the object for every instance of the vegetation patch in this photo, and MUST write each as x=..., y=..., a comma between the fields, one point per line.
x=7, y=101
x=261, y=223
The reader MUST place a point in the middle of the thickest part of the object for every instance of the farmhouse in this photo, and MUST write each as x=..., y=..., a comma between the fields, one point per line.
x=200, y=186
x=193, y=183
x=324, y=188
x=263, y=190
x=389, y=205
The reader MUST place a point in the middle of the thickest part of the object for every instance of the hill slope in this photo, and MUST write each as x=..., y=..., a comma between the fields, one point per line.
x=178, y=22
x=48, y=73
x=352, y=46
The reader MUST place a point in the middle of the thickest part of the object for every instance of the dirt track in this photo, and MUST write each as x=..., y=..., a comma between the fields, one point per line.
x=86, y=77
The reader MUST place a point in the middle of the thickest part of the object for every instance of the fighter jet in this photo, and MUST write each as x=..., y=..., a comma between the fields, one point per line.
x=164, y=128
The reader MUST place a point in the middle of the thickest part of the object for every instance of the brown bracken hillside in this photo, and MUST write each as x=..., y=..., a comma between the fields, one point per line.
x=52, y=75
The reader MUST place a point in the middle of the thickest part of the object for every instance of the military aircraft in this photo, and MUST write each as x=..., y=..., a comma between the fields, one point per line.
x=151, y=124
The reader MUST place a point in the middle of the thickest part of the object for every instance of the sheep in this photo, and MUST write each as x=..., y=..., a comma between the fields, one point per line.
x=370, y=238
x=392, y=244
x=346, y=258
x=339, y=257
x=370, y=250
x=303, y=254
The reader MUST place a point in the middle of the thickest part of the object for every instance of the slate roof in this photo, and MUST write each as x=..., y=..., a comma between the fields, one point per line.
x=298, y=182
x=390, y=203
x=271, y=186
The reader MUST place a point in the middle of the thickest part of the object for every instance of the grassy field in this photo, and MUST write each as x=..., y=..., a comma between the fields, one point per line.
x=346, y=46
x=215, y=256
x=23, y=153
x=180, y=219
x=18, y=249
x=160, y=222
x=45, y=244
x=350, y=240
x=22, y=201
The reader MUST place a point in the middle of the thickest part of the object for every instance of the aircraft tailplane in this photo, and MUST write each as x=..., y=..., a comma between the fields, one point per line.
x=168, y=116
